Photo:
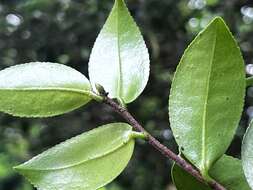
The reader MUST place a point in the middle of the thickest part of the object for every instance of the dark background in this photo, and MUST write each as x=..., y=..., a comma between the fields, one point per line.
x=64, y=31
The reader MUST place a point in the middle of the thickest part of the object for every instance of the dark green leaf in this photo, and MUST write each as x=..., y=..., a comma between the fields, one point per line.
x=184, y=181
x=227, y=171
x=247, y=154
x=86, y=162
x=42, y=89
x=207, y=95
x=119, y=60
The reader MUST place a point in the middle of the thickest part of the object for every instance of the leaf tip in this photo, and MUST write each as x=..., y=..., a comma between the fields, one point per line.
x=17, y=168
x=21, y=167
x=218, y=21
x=119, y=3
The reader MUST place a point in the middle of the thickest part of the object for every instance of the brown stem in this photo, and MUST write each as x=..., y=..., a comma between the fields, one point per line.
x=160, y=147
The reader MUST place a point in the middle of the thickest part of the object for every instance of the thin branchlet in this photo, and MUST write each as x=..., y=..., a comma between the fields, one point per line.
x=160, y=147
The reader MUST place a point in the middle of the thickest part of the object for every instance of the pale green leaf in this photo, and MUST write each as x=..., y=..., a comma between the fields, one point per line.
x=227, y=171
x=42, y=89
x=207, y=95
x=86, y=162
x=247, y=154
x=119, y=60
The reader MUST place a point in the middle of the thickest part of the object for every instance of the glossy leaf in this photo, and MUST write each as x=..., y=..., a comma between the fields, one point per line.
x=207, y=95
x=247, y=154
x=86, y=162
x=119, y=60
x=227, y=171
x=42, y=89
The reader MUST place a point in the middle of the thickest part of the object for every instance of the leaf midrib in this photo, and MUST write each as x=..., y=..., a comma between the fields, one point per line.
x=120, y=79
x=124, y=142
x=203, y=145
x=71, y=90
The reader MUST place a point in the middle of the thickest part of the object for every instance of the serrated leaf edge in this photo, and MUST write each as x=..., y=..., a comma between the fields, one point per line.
x=145, y=46
x=127, y=137
x=186, y=50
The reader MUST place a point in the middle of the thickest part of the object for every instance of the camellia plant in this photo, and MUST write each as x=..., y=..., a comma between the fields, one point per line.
x=205, y=105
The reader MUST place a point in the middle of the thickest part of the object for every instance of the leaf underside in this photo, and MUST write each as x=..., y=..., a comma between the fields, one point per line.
x=207, y=95
x=119, y=60
x=41, y=89
x=86, y=162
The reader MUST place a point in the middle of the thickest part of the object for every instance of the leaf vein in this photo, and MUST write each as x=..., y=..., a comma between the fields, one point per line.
x=203, y=155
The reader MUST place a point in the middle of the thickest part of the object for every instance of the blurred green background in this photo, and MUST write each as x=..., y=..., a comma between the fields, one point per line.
x=64, y=31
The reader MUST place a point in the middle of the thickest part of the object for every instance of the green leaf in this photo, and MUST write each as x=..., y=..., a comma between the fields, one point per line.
x=184, y=181
x=207, y=95
x=42, y=89
x=86, y=162
x=227, y=171
x=247, y=154
x=119, y=60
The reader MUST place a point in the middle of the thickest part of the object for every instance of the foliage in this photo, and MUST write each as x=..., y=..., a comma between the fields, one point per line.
x=166, y=40
x=50, y=88
x=207, y=96
x=88, y=161
x=227, y=170
x=119, y=60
